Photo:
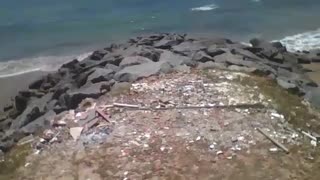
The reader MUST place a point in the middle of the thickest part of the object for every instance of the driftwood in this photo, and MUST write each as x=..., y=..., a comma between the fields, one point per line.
x=274, y=141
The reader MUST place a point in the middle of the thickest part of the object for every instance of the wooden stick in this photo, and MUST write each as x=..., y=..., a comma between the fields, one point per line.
x=309, y=136
x=274, y=141
x=239, y=106
x=126, y=105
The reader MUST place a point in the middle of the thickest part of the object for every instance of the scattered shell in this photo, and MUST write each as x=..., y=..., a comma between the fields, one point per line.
x=273, y=149
x=219, y=152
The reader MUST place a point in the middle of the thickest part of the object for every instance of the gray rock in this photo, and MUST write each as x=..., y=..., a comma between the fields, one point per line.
x=182, y=68
x=29, y=115
x=112, y=67
x=39, y=124
x=211, y=65
x=31, y=93
x=242, y=69
x=20, y=103
x=267, y=48
x=187, y=48
x=133, y=73
x=82, y=78
x=149, y=53
x=133, y=60
x=246, y=54
x=166, y=43
x=6, y=144
x=214, y=51
x=120, y=87
x=51, y=105
x=234, y=59
x=172, y=58
x=112, y=59
x=221, y=42
x=100, y=75
x=201, y=56
x=7, y=107
x=71, y=65
x=149, y=40
x=4, y=125
x=98, y=55
x=36, y=84
x=289, y=85
x=61, y=90
x=278, y=58
x=74, y=97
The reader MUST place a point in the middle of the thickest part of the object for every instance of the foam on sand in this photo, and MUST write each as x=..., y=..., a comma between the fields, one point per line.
x=304, y=41
x=205, y=8
x=42, y=63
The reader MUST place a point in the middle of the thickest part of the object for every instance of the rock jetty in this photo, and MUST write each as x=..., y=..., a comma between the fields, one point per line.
x=106, y=69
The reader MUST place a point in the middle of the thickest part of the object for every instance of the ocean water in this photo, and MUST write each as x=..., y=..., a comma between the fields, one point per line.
x=42, y=34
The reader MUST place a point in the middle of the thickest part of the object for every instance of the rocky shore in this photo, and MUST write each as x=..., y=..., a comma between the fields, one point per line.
x=109, y=68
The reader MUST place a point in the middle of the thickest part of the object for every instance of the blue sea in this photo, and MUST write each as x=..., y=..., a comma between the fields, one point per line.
x=43, y=34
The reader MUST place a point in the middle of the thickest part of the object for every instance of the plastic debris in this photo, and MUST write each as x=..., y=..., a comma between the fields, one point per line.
x=75, y=132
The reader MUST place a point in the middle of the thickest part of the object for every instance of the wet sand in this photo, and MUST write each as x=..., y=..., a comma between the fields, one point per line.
x=315, y=74
x=9, y=86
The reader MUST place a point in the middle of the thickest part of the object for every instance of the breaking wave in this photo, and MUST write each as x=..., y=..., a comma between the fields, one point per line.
x=304, y=41
x=42, y=63
x=205, y=8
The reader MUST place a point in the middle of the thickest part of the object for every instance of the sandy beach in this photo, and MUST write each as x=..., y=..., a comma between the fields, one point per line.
x=12, y=84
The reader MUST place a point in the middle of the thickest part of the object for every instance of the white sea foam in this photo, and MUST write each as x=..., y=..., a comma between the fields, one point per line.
x=304, y=41
x=205, y=8
x=42, y=63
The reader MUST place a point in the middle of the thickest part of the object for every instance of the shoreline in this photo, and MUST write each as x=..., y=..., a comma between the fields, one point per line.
x=11, y=85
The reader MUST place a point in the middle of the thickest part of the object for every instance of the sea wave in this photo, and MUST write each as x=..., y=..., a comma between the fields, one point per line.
x=42, y=63
x=304, y=41
x=205, y=8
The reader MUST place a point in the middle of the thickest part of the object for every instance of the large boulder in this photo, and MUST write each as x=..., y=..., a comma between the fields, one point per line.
x=39, y=124
x=81, y=79
x=147, y=52
x=98, y=55
x=133, y=73
x=168, y=41
x=20, y=103
x=30, y=114
x=187, y=48
x=289, y=85
x=35, y=109
x=213, y=50
x=73, y=98
x=36, y=84
x=267, y=49
x=148, y=40
x=133, y=60
x=73, y=65
x=211, y=65
x=234, y=59
x=173, y=58
x=101, y=74
x=201, y=56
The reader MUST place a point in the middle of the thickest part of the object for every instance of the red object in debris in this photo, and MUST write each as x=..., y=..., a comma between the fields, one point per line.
x=90, y=124
x=102, y=114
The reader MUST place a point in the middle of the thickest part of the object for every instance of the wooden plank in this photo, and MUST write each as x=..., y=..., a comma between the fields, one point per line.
x=102, y=114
